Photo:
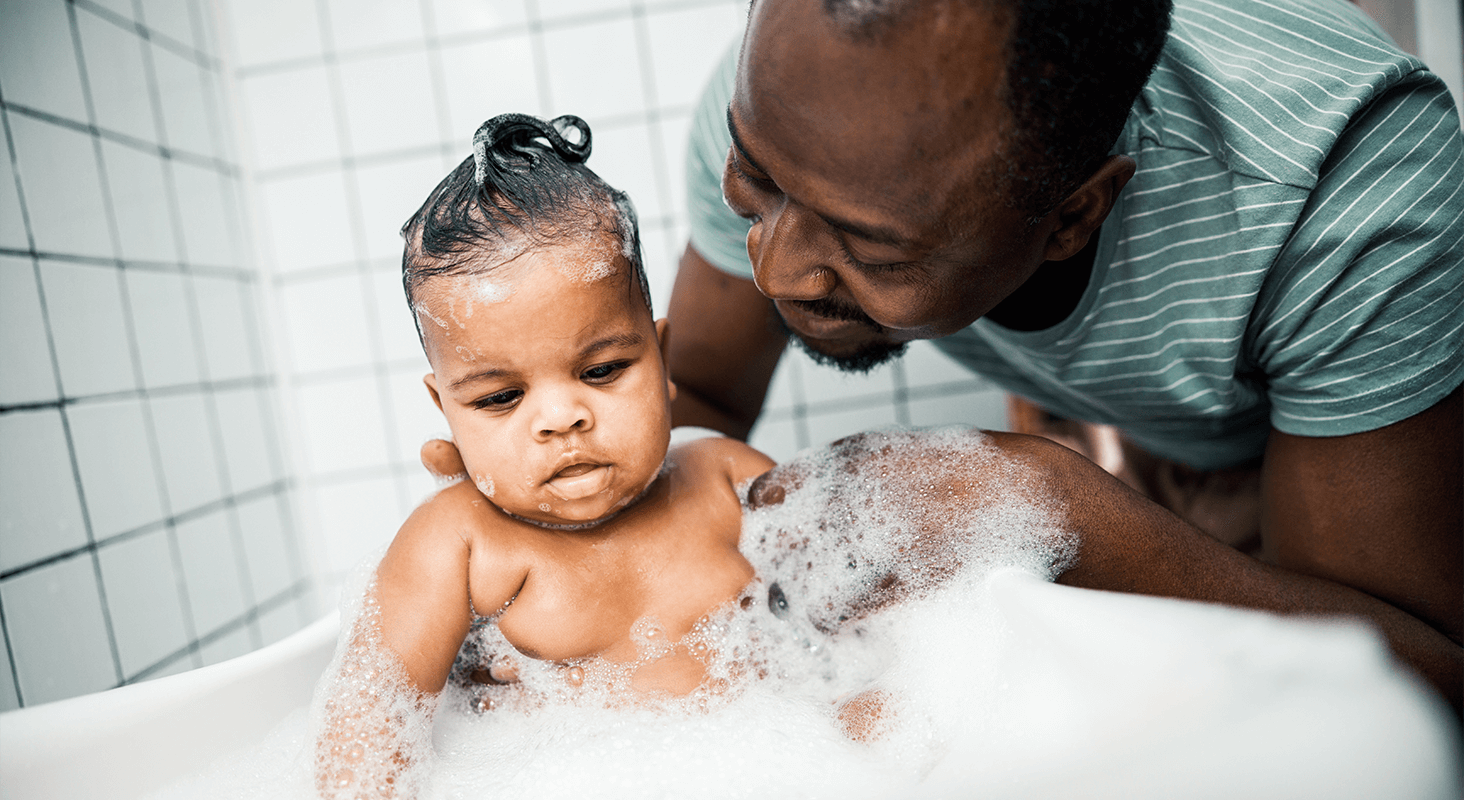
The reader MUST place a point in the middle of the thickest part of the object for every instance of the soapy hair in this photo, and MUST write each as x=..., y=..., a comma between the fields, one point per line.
x=525, y=186
x=1074, y=68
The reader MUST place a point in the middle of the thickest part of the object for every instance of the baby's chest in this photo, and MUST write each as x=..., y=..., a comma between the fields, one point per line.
x=600, y=601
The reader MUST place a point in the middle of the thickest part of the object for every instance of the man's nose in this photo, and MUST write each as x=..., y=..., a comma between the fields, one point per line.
x=789, y=251
x=560, y=412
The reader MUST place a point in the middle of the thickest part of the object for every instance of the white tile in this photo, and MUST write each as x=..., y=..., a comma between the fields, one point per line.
x=12, y=221
x=139, y=193
x=59, y=176
x=122, y=8
x=306, y=222
x=325, y=323
x=207, y=235
x=456, y=17
x=342, y=426
x=357, y=24
x=686, y=45
x=58, y=636
x=265, y=31
x=213, y=572
x=84, y=304
x=419, y=486
x=416, y=416
x=594, y=70
x=675, y=130
x=163, y=320
x=390, y=193
x=9, y=695
x=775, y=438
x=353, y=520
x=389, y=103
x=983, y=409
x=186, y=448
x=926, y=365
x=394, y=321
x=250, y=446
x=281, y=621
x=38, y=62
x=569, y=9
x=114, y=457
x=185, y=108
x=40, y=512
x=786, y=388
x=623, y=157
x=290, y=116
x=28, y=376
x=231, y=645
x=142, y=596
x=473, y=100
x=827, y=427
x=118, y=79
x=227, y=333
x=274, y=564
x=827, y=384
x=172, y=18
x=177, y=665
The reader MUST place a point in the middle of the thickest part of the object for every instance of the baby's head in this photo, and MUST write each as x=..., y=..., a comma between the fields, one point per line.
x=523, y=271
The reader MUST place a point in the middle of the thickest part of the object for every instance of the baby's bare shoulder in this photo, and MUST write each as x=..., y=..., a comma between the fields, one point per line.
x=458, y=532
x=734, y=459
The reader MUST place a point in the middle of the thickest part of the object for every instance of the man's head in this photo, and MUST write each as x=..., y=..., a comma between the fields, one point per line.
x=523, y=272
x=909, y=163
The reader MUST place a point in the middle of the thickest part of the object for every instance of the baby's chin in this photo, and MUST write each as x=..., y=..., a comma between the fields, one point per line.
x=580, y=513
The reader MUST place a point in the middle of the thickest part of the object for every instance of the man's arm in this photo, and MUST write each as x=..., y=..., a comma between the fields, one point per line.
x=1366, y=525
x=725, y=340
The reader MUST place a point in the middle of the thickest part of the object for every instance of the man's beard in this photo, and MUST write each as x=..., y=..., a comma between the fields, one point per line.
x=865, y=358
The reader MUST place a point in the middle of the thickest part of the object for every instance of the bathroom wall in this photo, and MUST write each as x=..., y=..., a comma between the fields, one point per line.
x=351, y=112
x=145, y=522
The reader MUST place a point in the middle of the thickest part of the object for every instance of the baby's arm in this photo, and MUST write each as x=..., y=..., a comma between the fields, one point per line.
x=378, y=714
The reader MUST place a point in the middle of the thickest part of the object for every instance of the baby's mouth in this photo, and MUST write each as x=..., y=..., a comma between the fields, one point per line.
x=578, y=481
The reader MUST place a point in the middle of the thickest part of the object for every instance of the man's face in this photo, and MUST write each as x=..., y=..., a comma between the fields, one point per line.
x=870, y=172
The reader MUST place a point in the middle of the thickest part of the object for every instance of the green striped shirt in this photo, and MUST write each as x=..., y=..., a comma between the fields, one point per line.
x=1290, y=253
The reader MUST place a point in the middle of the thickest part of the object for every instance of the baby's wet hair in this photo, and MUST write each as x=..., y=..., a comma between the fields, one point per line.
x=525, y=186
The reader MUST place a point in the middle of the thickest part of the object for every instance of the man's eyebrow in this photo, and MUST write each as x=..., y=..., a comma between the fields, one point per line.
x=888, y=237
x=737, y=143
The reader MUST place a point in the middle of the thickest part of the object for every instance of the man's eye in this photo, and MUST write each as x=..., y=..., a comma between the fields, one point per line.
x=604, y=373
x=499, y=400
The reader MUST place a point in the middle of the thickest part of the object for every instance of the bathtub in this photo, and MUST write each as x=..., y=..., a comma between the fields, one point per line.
x=1129, y=696
x=131, y=740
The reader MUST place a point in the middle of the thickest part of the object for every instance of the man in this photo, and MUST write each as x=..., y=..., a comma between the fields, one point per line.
x=1250, y=264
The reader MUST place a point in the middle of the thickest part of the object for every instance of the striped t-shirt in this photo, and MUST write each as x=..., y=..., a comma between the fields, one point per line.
x=1290, y=253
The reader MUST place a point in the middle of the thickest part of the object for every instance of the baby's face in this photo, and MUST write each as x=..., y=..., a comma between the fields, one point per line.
x=551, y=376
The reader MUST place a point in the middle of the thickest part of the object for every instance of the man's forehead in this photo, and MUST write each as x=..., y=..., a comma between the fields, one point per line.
x=911, y=116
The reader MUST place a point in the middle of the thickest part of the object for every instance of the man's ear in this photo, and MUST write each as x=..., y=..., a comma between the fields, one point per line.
x=663, y=338
x=431, y=380
x=1078, y=217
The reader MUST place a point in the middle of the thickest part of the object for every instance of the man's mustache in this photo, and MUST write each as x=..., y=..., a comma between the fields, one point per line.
x=836, y=309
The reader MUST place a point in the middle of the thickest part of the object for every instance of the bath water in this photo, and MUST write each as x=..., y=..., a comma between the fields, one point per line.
x=977, y=677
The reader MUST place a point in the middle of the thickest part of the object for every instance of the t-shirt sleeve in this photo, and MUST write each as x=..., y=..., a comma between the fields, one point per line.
x=719, y=235
x=1361, y=321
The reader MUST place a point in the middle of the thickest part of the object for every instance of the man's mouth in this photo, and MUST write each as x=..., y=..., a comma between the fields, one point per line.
x=825, y=321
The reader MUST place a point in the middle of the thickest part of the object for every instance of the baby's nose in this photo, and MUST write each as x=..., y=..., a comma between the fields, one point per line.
x=562, y=415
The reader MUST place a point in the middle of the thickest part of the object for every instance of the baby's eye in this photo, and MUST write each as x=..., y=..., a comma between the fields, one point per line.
x=499, y=400
x=603, y=373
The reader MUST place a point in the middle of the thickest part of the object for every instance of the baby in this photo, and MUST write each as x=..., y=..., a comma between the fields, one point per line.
x=579, y=529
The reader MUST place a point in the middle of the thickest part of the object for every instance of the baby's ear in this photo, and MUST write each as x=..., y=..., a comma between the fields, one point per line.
x=663, y=338
x=431, y=380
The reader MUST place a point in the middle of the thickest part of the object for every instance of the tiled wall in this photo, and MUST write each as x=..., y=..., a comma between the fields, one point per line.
x=353, y=110
x=144, y=522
